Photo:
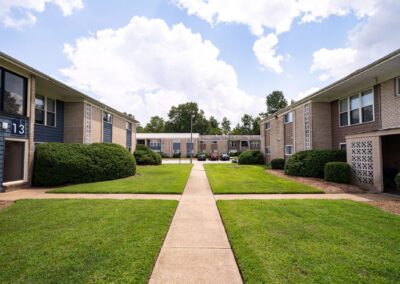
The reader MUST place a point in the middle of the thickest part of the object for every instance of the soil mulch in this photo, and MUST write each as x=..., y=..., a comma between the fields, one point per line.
x=327, y=187
x=5, y=204
x=392, y=206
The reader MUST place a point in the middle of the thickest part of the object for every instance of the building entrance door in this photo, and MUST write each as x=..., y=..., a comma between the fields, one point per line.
x=14, y=160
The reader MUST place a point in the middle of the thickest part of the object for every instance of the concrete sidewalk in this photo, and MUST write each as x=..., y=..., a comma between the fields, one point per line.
x=196, y=249
x=41, y=194
x=363, y=197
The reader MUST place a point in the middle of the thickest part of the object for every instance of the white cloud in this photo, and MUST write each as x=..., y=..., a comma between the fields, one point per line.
x=368, y=41
x=304, y=94
x=21, y=13
x=264, y=49
x=146, y=67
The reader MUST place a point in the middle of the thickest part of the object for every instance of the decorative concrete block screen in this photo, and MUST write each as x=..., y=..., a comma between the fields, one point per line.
x=362, y=161
x=307, y=126
x=88, y=122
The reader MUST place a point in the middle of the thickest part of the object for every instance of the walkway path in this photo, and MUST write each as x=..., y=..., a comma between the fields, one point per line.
x=196, y=249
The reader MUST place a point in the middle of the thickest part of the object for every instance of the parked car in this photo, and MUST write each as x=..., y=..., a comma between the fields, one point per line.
x=201, y=157
x=214, y=157
x=225, y=157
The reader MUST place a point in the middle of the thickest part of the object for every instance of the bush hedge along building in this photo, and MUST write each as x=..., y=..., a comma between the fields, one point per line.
x=35, y=108
x=178, y=144
x=359, y=113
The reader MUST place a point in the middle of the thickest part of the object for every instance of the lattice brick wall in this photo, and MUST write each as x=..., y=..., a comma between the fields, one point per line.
x=307, y=127
x=362, y=161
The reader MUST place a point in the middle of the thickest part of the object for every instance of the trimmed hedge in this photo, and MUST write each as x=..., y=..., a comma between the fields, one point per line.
x=397, y=181
x=145, y=156
x=60, y=163
x=311, y=163
x=339, y=172
x=278, y=164
x=251, y=158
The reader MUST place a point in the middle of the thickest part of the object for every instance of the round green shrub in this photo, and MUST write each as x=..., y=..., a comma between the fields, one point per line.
x=251, y=158
x=278, y=164
x=145, y=156
x=60, y=163
x=397, y=181
x=339, y=172
x=311, y=163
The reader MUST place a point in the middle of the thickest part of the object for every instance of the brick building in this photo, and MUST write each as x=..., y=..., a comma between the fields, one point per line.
x=360, y=113
x=35, y=108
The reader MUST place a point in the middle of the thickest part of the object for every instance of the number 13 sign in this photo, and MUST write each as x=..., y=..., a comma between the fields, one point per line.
x=18, y=127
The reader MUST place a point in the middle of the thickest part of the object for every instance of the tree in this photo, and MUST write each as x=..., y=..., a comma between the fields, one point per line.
x=139, y=129
x=256, y=126
x=225, y=125
x=214, y=126
x=179, y=119
x=275, y=101
x=247, y=123
x=156, y=125
x=248, y=126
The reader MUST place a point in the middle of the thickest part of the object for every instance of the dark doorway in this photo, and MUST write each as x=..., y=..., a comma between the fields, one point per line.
x=390, y=161
x=14, y=161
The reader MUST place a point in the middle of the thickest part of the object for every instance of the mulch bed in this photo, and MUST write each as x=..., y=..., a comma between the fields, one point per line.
x=327, y=187
x=5, y=204
x=392, y=206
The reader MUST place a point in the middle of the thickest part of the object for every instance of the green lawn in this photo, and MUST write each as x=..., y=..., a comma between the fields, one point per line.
x=82, y=241
x=233, y=178
x=148, y=179
x=313, y=241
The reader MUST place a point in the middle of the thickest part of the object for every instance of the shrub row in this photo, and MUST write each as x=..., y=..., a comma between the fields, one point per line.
x=251, y=158
x=145, y=156
x=311, y=163
x=278, y=164
x=60, y=163
x=397, y=181
x=339, y=172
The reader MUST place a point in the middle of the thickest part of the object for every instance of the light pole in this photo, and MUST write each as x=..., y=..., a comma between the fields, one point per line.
x=191, y=137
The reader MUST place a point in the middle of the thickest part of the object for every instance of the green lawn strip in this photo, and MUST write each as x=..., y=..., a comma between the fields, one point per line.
x=82, y=241
x=313, y=241
x=233, y=178
x=164, y=179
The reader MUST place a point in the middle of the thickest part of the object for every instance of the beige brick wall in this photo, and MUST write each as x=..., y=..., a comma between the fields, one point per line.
x=119, y=131
x=299, y=129
x=97, y=125
x=73, y=122
x=390, y=105
x=277, y=138
x=321, y=126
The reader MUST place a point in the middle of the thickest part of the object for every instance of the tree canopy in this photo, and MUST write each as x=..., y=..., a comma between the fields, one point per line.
x=275, y=101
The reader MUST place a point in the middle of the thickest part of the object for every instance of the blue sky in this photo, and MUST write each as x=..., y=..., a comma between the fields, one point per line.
x=143, y=65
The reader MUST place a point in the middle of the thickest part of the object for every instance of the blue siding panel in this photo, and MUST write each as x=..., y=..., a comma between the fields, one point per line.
x=45, y=133
x=107, y=132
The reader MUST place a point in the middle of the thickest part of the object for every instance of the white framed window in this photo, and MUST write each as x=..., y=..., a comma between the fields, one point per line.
x=288, y=117
x=342, y=146
x=267, y=125
x=357, y=109
x=45, y=111
x=107, y=117
x=267, y=150
x=288, y=150
x=398, y=86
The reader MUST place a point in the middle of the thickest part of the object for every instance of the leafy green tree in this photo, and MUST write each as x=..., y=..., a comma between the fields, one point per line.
x=275, y=101
x=247, y=124
x=179, y=119
x=214, y=126
x=225, y=125
x=156, y=125
x=256, y=126
x=139, y=129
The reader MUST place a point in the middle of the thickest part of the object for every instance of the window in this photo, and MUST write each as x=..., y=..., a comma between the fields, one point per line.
x=255, y=144
x=155, y=145
x=13, y=93
x=357, y=109
x=398, y=86
x=129, y=126
x=244, y=143
x=342, y=146
x=233, y=144
x=288, y=150
x=45, y=111
x=267, y=125
x=288, y=117
x=107, y=117
x=268, y=151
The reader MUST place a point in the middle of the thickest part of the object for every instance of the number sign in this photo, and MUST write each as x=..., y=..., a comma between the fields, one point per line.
x=18, y=127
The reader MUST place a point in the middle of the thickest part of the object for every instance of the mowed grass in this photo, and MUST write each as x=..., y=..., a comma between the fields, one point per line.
x=82, y=241
x=164, y=179
x=233, y=178
x=313, y=241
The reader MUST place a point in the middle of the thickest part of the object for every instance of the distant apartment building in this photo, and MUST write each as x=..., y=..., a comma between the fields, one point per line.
x=35, y=108
x=170, y=144
x=359, y=113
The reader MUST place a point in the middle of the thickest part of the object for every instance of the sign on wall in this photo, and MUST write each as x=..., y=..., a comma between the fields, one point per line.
x=18, y=127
